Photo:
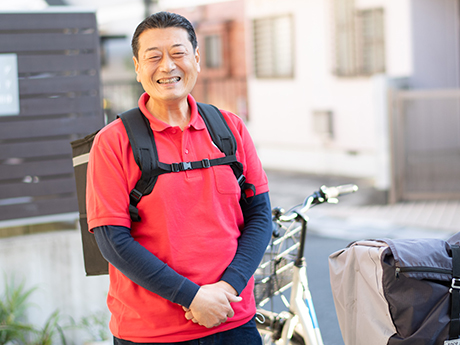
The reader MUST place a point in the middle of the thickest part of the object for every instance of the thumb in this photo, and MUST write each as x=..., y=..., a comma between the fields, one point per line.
x=232, y=298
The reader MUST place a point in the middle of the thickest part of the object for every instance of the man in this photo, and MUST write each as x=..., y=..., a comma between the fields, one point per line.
x=182, y=275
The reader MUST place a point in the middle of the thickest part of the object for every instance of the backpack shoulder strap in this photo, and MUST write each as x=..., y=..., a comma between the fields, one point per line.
x=218, y=128
x=224, y=139
x=145, y=153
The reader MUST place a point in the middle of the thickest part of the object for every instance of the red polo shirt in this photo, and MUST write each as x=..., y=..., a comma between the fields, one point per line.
x=191, y=220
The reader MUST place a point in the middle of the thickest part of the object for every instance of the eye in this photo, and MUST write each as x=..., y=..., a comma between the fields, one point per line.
x=153, y=56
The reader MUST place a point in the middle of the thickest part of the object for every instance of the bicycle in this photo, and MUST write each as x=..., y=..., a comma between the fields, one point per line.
x=283, y=268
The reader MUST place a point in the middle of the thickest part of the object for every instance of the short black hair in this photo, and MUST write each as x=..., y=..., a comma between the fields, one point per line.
x=163, y=20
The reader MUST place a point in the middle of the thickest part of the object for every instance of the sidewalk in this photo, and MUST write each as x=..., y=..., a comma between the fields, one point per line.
x=357, y=216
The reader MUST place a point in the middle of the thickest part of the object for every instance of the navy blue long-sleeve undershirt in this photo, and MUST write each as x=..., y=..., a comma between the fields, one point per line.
x=141, y=266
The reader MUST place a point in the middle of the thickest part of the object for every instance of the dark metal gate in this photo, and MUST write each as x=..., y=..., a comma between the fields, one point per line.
x=426, y=145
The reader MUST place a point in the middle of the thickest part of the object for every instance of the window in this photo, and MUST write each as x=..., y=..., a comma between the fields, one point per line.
x=273, y=47
x=359, y=40
x=213, y=56
x=323, y=123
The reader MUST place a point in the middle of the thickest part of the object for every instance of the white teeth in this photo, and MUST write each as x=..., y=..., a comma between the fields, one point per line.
x=168, y=81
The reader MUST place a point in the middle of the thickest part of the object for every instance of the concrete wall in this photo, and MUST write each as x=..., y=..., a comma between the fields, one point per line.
x=53, y=262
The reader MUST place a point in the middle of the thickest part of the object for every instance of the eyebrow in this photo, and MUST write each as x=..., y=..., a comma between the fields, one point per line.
x=173, y=46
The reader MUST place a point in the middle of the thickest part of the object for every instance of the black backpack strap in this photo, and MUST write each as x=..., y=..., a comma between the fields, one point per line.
x=224, y=139
x=218, y=128
x=454, y=330
x=145, y=153
x=203, y=164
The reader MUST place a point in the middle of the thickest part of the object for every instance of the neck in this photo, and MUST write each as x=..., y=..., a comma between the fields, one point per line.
x=174, y=114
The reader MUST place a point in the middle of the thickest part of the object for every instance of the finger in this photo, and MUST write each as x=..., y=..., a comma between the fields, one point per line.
x=230, y=313
x=189, y=316
x=221, y=320
x=232, y=298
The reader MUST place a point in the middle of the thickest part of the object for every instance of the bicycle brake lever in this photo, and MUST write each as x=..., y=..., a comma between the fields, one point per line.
x=275, y=229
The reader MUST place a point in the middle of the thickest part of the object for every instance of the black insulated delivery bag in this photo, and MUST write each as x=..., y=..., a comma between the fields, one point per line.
x=95, y=264
x=398, y=292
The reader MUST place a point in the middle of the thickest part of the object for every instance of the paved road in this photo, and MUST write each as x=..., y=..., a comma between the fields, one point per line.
x=317, y=251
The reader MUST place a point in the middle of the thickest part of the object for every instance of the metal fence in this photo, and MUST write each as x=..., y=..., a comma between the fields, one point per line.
x=120, y=96
x=225, y=93
x=426, y=145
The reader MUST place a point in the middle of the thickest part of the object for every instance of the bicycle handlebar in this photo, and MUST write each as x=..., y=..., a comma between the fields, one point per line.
x=334, y=192
x=325, y=194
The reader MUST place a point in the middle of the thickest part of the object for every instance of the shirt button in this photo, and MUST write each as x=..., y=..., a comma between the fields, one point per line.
x=173, y=131
x=186, y=151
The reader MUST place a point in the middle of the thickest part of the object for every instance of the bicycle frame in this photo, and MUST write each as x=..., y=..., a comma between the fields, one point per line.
x=301, y=309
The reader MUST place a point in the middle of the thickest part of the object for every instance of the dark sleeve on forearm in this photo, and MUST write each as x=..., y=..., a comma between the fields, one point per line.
x=254, y=239
x=133, y=260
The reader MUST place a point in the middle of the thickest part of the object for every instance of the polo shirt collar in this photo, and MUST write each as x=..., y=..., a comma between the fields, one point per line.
x=196, y=121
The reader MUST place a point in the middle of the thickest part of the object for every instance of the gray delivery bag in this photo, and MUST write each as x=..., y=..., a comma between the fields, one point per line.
x=398, y=292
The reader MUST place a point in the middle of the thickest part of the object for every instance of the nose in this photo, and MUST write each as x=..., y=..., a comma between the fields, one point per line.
x=167, y=63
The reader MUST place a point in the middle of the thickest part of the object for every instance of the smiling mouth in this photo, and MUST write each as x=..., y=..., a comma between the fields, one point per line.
x=168, y=81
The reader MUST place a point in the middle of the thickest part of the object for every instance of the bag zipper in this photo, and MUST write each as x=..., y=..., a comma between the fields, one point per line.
x=422, y=269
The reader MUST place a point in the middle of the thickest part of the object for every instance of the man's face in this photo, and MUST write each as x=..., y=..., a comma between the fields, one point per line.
x=167, y=66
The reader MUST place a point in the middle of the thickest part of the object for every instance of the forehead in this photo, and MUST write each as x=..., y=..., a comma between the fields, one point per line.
x=163, y=38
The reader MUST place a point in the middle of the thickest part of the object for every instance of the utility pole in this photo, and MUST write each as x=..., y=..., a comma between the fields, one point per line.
x=150, y=7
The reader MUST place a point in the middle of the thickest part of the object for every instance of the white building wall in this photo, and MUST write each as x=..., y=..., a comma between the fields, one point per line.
x=398, y=39
x=421, y=43
x=281, y=109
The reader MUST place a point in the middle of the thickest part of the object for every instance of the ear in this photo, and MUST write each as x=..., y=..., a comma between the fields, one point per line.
x=136, y=67
x=197, y=59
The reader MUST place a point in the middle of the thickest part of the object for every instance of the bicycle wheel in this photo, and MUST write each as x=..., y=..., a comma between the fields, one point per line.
x=270, y=327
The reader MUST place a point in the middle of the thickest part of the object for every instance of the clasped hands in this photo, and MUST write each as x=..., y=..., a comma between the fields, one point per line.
x=211, y=305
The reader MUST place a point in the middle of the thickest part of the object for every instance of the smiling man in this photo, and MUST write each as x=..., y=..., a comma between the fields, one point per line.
x=183, y=275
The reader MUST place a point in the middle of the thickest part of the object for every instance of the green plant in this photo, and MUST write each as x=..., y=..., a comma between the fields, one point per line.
x=50, y=331
x=13, y=326
x=13, y=306
x=96, y=325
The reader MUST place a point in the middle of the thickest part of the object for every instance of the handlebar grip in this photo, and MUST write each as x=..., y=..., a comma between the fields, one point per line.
x=334, y=192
